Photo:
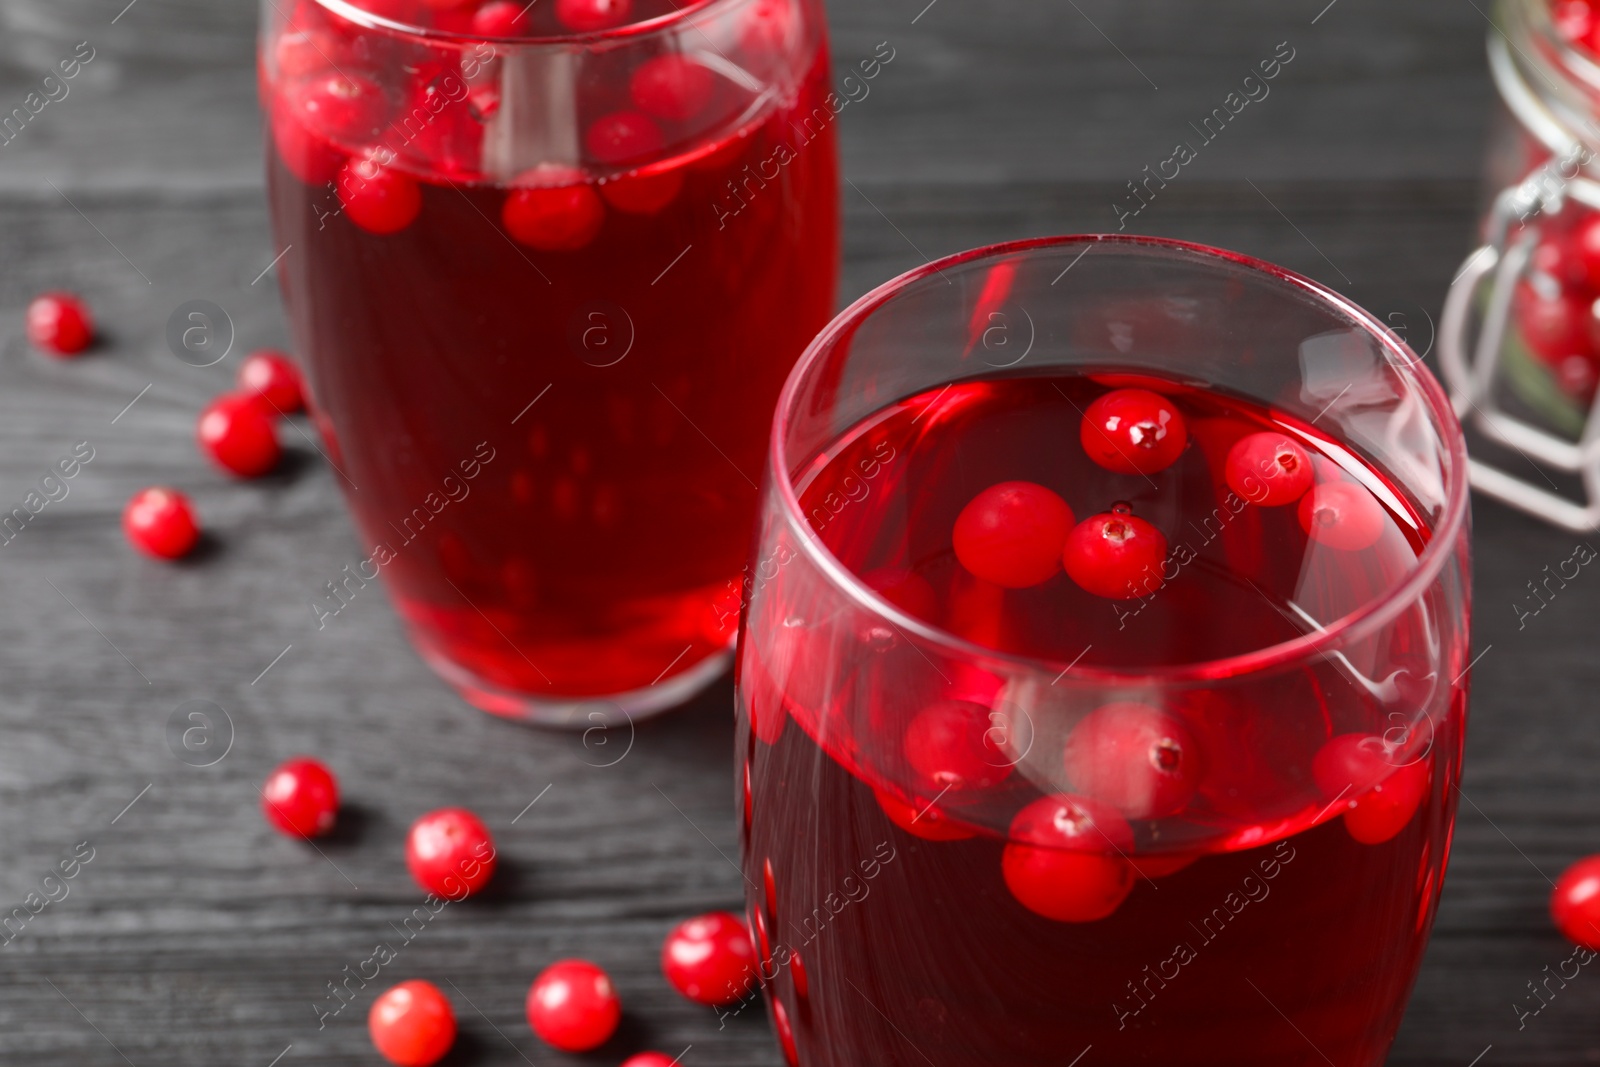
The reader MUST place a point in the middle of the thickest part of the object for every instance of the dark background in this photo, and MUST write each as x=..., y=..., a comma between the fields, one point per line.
x=198, y=936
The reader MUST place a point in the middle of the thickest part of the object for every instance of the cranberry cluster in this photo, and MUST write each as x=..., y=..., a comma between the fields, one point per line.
x=1555, y=303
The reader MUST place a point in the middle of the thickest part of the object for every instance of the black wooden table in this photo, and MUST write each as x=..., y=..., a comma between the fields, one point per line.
x=196, y=935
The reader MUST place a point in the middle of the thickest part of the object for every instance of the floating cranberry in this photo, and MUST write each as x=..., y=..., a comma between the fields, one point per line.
x=950, y=746
x=623, y=137
x=780, y=1023
x=573, y=1006
x=1140, y=760
x=301, y=798
x=590, y=16
x=303, y=52
x=308, y=155
x=450, y=853
x=342, y=107
x=239, y=435
x=710, y=959
x=1063, y=862
x=1133, y=431
x=60, y=323
x=1342, y=515
x=1268, y=469
x=553, y=208
x=765, y=28
x=1380, y=791
x=1116, y=554
x=273, y=377
x=1553, y=327
x=501, y=18
x=921, y=819
x=1011, y=534
x=673, y=87
x=160, y=523
x=412, y=1024
x=378, y=198
x=643, y=194
x=1575, y=903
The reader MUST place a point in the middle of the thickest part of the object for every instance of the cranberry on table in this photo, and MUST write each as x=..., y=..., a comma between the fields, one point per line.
x=274, y=378
x=1268, y=469
x=573, y=1006
x=501, y=18
x=673, y=87
x=1064, y=859
x=1011, y=534
x=1379, y=787
x=710, y=959
x=1140, y=760
x=1342, y=515
x=450, y=853
x=623, y=137
x=160, y=522
x=589, y=16
x=60, y=323
x=239, y=435
x=1133, y=431
x=301, y=798
x=553, y=208
x=1116, y=555
x=951, y=746
x=378, y=198
x=1575, y=903
x=412, y=1024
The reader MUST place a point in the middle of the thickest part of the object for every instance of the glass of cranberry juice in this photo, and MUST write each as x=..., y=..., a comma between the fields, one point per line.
x=1101, y=692
x=548, y=265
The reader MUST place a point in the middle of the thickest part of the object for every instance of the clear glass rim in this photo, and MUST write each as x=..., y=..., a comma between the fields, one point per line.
x=351, y=11
x=1441, y=544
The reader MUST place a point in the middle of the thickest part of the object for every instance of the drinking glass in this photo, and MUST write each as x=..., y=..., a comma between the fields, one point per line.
x=1010, y=791
x=547, y=287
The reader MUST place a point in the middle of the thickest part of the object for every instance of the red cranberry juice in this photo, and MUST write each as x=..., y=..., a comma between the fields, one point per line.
x=547, y=417
x=1247, y=909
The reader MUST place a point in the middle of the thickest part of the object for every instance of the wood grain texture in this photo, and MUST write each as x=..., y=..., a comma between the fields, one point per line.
x=196, y=936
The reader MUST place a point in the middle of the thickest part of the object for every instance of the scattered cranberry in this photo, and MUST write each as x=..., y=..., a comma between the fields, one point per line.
x=341, y=107
x=574, y=1006
x=1268, y=469
x=552, y=208
x=623, y=137
x=239, y=435
x=378, y=198
x=590, y=16
x=274, y=378
x=60, y=324
x=160, y=523
x=1140, y=760
x=301, y=798
x=780, y=1023
x=1062, y=861
x=412, y=1024
x=1575, y=903
x=450, y=853
x=1011, y=534
x=1359, y=771
x=951, y=746
x=501, y=18
x=710, y=959
x=1133, y=431
x=921, y=819
x=673, y=87
x=1342, y=515
x=1116, y=554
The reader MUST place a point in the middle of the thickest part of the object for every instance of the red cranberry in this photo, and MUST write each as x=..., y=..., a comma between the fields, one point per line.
x=339, y=106
x=1116, y=554
x=673, y=87
x=160, y=523
x=501, y=18
x=623, y=137
x=1359, y=771
x=1556, y=258
x=921, y=819
x=1011, y=534
x=765, y=29
x=1268, y=469
x=1133, y=431
x=797, y=972
x=301, y=798
x=412, y=1024
x=710, y=959
x=650, y=1059
x=950, y=746
x=1552, y=327
x=573, y=1006
x=303, y=52
x=307, y=154
x=274, y=378
x=1140, y=760
x=1577, y=376
x=451, y=144
x=552, y=208
x=60, y=323
x=1575, y=20
x=643, y=194
x=1342, y=515
x=770, y=885
x=1062, y=860
x=1586, y=248
x=1575, y=903
x=780, y=1023
x=378, y=198
x=590, y=16
x=239, y=436
x=450, y=853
